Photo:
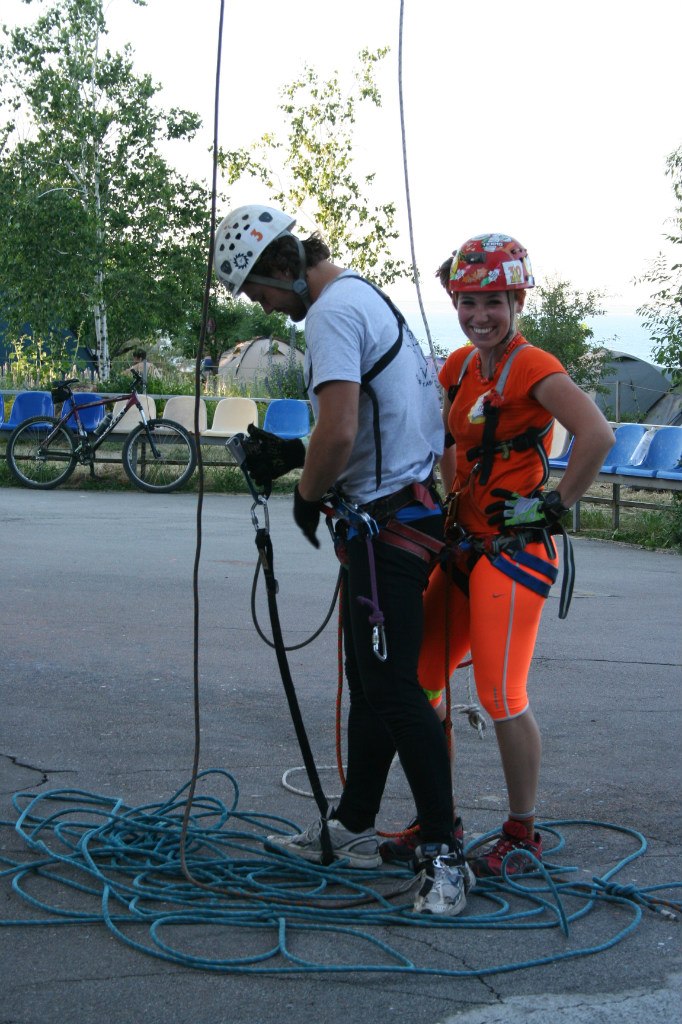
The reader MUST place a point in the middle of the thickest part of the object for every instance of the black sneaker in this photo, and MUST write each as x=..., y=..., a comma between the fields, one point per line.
x=401, y=848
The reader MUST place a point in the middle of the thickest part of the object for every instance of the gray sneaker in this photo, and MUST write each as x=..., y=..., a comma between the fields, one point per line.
x=444, y=877
x=360, y=849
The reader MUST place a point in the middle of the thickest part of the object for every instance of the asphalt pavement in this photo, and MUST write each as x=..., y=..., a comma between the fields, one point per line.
x=97, y=687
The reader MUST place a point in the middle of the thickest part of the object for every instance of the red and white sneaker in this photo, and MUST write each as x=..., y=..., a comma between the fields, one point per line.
x=514, y=838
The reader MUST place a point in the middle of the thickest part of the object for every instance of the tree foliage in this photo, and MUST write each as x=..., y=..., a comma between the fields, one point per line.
x=316, y=165
x=554, y=319
x=100, y=234
x=662, y=315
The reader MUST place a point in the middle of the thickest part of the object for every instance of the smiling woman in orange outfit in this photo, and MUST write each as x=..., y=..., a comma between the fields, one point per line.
x=501, y=398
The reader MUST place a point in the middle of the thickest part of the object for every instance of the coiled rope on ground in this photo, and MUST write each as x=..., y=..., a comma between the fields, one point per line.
x=255, y=910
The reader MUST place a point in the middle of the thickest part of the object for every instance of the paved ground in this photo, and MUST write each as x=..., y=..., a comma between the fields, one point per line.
x=96, y=683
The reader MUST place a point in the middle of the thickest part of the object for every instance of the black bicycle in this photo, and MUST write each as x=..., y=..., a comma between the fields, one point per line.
x=43, y=451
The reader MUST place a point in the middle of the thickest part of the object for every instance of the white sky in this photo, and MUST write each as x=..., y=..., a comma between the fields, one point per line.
x=549, y=120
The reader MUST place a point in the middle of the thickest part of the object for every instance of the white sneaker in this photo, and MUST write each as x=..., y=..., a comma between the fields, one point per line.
x=445, y=878
x=360, y=849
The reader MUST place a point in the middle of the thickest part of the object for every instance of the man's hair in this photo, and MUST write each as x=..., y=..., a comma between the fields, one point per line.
x=282, y=255
x=443, y=273
x=139, y=353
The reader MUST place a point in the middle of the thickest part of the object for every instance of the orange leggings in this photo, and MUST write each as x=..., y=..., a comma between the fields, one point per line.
x=497, y=622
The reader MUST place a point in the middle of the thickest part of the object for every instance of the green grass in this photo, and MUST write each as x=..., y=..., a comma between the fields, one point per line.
x=648, y=529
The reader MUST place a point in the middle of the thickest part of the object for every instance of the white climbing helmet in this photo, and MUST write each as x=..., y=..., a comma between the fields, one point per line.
x=242, y=237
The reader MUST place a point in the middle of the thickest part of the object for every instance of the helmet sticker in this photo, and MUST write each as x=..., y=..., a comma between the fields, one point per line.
x=490, y=278
x=479, y=262
x=492, y=242
x=513, y=272
x=241, y=238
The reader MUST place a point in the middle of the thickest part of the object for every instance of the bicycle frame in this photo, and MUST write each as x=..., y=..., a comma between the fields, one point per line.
x=88, y=445
x=157, y=455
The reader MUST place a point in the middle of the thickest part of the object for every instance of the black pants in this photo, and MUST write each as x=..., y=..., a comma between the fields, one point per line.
x=389, y=710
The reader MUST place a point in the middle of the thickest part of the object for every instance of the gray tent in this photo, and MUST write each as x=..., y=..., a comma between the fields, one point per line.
x=636, y=390
x=254, y=359
x=668, y=410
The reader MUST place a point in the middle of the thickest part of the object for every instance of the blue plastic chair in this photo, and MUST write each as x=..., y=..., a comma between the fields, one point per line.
x=27, y=404
x=561, y=461
x=663, y=457
x=628, y=436
x=90, y=418
x=287, y=418
x=669, y=474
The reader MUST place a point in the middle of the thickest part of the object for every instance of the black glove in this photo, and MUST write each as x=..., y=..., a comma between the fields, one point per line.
x=268, y=457
x=307, y=516
x=540, y=511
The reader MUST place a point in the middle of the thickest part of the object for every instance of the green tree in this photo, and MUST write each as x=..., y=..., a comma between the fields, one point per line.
x=100, y=234
x=316, y=162
x=662, y=315
x=554, y=319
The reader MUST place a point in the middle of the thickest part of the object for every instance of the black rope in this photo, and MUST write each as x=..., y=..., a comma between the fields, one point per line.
x=264, y=545
x=303, y=643
x=200, y=465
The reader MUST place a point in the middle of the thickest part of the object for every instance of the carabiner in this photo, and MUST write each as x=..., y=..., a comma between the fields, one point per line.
x=379, y=647
x=260, y=500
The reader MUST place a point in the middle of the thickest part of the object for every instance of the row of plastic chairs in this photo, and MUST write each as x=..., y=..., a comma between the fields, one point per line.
x=286, y=417
x=639, y=451
x=26, y=404
x=40, y=403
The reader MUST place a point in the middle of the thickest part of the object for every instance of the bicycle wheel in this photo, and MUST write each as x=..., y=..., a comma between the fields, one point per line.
x=34, y=461
x=174, y=464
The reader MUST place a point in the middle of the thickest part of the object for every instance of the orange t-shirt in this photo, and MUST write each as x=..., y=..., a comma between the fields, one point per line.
x=522, y=471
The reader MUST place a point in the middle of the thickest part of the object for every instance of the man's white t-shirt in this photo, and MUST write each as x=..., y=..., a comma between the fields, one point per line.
x=348, y=329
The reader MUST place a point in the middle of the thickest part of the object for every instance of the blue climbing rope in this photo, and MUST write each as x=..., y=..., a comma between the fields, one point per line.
x=251, y=909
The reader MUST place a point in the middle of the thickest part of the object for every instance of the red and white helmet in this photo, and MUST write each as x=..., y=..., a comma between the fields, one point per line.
x=242, y=237
x=497, y=263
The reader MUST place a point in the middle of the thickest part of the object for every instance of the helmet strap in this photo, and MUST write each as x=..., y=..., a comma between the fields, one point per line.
x=512, y=316
x=299, y=286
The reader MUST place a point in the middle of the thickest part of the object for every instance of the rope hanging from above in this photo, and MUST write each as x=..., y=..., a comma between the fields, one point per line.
x=407, y=186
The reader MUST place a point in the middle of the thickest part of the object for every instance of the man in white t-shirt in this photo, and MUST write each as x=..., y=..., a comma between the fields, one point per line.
x=378, y=433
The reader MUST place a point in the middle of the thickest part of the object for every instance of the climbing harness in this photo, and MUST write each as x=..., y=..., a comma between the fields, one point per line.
x=356, y=518
x=506, y=551
x=362, y=520
x=490, y=447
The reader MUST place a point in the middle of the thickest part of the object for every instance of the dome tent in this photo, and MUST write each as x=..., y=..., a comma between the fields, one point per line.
x=253, y=359
x=635, y=389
